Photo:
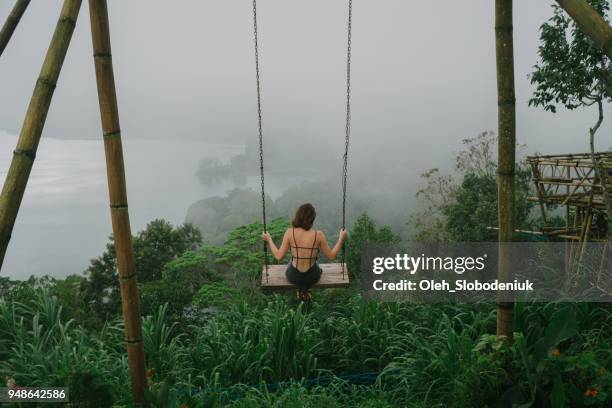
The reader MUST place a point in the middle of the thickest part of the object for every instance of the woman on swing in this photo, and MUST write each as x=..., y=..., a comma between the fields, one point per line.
x=305, y=244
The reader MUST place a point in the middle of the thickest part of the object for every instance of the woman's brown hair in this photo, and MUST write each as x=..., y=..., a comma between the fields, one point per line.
x=304, y=217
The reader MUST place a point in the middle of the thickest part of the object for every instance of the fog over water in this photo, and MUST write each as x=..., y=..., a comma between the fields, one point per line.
x=423, y=79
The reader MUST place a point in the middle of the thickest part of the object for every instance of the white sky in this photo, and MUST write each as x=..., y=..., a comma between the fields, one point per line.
x=424, y=75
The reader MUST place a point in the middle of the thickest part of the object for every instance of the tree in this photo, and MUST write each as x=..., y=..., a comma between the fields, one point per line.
x=575, y=73
x=160, y=243
x=181, y=279
x=155, y=246
x=473, y=210
x=241, y=256
x=362, y=232
x=466, y=209
x=190, y=270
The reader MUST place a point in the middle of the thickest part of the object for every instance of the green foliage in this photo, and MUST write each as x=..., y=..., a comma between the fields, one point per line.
x=173, y=294
x=268, y=344
x=160, y=243
x=40, y=349
x=219, y=295
x=362, y=232
x=90, y=390
x=154, y=247
x=573, y=71
x=242, y=254
x=163, y=348
x=66, y=291
x=428, y=355
x=268, y=352
x=474, y=208
x=559, y=372
x=159, y=396
x=181, y=279
x=466, y=209
x=335, y=395
x=190, y=268
x=445, y=358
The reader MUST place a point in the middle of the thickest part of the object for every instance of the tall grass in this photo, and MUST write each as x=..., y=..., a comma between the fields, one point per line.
x=427, y=355
x=38, y=349
x=250, y=345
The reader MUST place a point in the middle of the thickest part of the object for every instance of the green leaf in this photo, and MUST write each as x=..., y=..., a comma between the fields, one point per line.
x=561, y=327
x=557, y=397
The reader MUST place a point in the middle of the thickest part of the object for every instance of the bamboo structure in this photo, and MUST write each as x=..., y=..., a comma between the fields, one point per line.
x=570, y=180
x=109, y=114
x=590, y=22
x=506, y=153
x=11, y=23
x=27, y=144
x=573, y=182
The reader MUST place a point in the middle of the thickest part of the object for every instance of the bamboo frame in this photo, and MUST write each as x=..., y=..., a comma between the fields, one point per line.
x=109, y=114
x=11, y=23
x=506, y=153
x=570, y=181
x=576, y=185
x=29, y=138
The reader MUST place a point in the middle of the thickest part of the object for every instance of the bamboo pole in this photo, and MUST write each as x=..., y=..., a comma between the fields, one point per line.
x=109, y=114
x=34, y=122
x=567, y=226
x=506, y=154
x=537, y=178
x=11, y=22
x=590, y=22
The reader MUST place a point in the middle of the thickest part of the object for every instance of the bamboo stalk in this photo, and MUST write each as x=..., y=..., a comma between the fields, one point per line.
x=601, y=267
x=11, y=23
x=577, y=220
x=567, y=220
x=590, y=22
x=567, y=225
x=539, y=188
x=506, y=154
x=34, y=122
x=109, y=114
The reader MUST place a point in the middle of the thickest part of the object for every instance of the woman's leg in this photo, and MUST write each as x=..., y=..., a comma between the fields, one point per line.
x=311, y=277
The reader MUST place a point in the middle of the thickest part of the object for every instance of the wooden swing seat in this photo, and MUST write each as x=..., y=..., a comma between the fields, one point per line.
x=330, y=278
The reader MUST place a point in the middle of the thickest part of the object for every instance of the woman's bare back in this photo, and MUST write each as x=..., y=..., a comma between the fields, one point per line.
x=304, y=246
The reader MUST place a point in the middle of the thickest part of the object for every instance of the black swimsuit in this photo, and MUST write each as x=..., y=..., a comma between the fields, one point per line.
x=303, y=280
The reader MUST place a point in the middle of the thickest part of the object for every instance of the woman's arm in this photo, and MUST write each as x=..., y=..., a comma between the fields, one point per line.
x=327, y=251
x=278, y=253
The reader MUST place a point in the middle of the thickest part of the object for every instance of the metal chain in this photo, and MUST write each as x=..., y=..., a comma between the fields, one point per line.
x=348, y=125
x=347, y=129
x=261, y=158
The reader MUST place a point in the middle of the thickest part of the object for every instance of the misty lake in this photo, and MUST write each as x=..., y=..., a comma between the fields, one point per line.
x=64, y=219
